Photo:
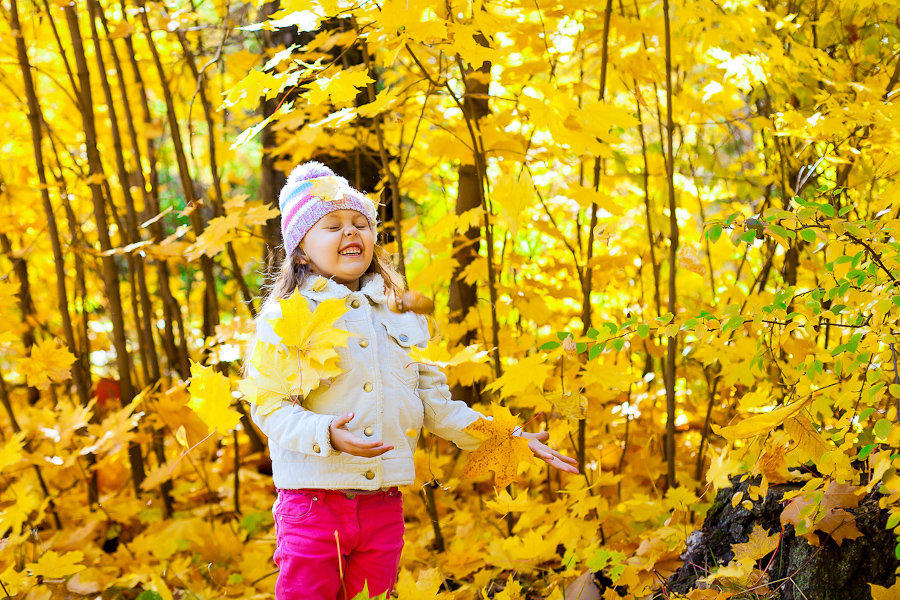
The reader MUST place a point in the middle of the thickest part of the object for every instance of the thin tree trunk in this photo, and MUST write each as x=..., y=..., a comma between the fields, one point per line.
x=587, y=282
x=218, y=200
x=34, y=121
x=27, y=304
x=130, y=233
x=110, y=272
x=176, y=352
x=210, y=301
x=671, y=347
x=271, y=179
x=464, y=296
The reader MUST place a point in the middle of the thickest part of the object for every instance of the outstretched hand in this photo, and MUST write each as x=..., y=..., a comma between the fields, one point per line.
x=548, y=454
x=344, y=440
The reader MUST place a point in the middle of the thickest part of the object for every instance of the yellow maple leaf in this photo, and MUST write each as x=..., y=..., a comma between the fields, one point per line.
x=760, y=424
x=883, y=593
x=514, y=195
x=15, y=581
x=313, y=332
x=47, y=362
x=500, y=451
x=424, y=586
x=530, y=371
x=55, y=566
x=11, y=451
x=758, y=545
x=341, y=88
x=278, y=377
x=439, y=356
x=211, y=398
x=214, y=238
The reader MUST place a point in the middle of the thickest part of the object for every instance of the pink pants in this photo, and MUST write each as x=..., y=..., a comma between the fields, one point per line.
x=316, y=528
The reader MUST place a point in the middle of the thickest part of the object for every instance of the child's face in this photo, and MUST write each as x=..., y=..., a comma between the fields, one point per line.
x=340, y=245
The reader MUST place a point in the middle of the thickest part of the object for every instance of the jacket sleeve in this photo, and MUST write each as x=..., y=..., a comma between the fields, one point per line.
x=291, y=426
x=444, y=416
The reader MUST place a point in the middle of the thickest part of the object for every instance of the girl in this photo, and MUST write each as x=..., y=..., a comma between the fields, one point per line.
x=338, y=458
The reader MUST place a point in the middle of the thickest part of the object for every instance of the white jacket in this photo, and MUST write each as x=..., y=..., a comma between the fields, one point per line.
x=391, y=396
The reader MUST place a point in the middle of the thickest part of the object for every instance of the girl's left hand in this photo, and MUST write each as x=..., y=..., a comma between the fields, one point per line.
x=548, y=454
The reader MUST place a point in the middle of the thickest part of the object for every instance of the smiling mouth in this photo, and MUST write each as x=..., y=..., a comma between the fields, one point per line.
x=351, y=251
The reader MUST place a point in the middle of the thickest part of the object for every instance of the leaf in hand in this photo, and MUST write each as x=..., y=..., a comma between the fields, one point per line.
x=313, y=332
x=278, y=377
x=501, y=451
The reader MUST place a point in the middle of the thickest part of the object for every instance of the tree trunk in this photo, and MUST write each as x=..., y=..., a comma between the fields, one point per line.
x=110, y=272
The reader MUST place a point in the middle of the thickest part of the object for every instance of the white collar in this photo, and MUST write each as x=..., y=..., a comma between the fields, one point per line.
x=318, y=287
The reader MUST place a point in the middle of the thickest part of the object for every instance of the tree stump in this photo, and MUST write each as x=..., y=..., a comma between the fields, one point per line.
x=798, y=570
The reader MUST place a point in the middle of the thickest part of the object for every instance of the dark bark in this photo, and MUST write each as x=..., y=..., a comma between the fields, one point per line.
x=110, y=271
x=826, y=572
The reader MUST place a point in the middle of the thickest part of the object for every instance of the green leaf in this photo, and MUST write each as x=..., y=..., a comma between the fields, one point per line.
x=643, y=330
x=550, y=346
x=618, y=344
x=149, y=595
x=778, y=229
x=864, y=454
x=882, y=428
x=893, y=520
x=732, y=323
x=714, y=232
x=747, y=236
x=595, y=351
x=808, y=235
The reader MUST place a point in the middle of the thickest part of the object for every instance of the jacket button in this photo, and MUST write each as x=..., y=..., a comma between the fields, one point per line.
x=403, y=337
x=363, y=343
x=354, y=303
x=316, y=448
x=370, y=475
x=368, y=386
x=369, y=431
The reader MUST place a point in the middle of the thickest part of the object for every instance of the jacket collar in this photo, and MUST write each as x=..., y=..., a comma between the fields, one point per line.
x=318, y=287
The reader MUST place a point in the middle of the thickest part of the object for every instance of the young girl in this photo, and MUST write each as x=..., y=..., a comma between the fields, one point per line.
x=338, y=456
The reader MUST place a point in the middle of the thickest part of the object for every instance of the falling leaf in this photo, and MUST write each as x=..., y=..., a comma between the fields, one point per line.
x=500, y=451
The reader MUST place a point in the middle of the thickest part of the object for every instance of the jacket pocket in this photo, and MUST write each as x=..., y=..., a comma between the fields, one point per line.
x=400, y=342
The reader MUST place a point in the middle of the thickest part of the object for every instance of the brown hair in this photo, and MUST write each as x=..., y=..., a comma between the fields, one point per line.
x=293, y=272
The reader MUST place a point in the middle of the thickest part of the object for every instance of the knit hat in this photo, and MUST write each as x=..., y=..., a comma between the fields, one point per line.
x=312, y=191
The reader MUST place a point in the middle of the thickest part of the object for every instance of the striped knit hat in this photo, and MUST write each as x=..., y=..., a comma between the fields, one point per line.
x=312, y=191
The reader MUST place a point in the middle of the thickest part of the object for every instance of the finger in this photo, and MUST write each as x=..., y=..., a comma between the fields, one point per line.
x=558, y=463
x=542, y=435
x=564, y=458
x=372, y=452
x=342, y=420
x=361, y=445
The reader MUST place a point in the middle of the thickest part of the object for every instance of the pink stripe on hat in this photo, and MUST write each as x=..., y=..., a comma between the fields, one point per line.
x=311, y=192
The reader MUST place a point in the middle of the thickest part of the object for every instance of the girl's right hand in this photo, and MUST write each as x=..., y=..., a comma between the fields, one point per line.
x=342, y=439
